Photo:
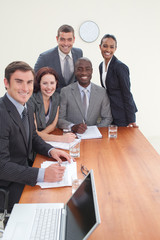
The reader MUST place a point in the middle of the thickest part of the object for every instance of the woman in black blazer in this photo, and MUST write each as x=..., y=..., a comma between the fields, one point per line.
x=114, y=76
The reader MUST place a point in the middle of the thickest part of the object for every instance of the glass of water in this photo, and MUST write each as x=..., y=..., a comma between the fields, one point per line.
x=74, y=149
x=112, y=131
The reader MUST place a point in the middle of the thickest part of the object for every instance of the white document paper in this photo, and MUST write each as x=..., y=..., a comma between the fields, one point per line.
x=69, y=174
x=63, y=145
x=90, y=133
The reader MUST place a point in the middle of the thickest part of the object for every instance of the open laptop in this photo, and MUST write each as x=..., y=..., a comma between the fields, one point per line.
x=78, y=219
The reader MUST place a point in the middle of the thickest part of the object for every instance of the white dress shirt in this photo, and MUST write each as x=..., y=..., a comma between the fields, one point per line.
x=104, y=72
x=82, y=92
x=62, y=60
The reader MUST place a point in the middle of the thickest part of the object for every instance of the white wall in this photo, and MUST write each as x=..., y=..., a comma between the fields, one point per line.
x=28, y=28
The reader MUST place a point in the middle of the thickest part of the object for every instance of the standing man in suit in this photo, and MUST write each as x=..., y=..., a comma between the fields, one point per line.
x=18, y=136
x=61, y=58
x=84, y=103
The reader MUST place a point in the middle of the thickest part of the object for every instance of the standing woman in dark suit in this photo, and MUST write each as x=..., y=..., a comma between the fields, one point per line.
x=114, y=76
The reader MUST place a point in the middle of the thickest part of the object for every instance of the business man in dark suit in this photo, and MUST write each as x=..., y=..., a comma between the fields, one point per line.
x=18, y=136
x=114, y=76
x=83, y=103
x=61, y=58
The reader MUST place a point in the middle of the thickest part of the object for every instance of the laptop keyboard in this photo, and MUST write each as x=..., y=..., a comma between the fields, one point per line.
x=46, y=224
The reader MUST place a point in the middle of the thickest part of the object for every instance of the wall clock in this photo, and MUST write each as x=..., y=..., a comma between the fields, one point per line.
x=89, y=31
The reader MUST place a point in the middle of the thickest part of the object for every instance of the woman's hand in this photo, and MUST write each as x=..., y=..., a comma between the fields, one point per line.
x=68, y=137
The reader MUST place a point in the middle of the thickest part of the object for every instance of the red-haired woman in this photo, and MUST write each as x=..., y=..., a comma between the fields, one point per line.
x=45, y=103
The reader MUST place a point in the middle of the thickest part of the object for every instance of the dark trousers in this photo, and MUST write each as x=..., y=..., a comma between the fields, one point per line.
x=15, y=191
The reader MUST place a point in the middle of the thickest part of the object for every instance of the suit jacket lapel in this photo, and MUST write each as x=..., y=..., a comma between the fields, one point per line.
x=41, y=111
x=100, y=69
x=110, y=69
x=14, y=114
x=57, y=65
x=73, y=55
x=77, y=97
x=91, y=101
x=57, y=62
x=30, y=119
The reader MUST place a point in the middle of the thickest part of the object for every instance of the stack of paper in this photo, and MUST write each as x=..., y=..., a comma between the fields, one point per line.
x=63, y=145
x=69, y=175
x=90, y=133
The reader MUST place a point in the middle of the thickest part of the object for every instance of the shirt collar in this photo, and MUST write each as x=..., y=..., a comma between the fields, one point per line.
x=104, y=65
x=18, y=106
x=63, y=55
x=81, y=88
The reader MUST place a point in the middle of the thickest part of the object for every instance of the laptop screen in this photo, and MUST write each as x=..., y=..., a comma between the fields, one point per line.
x=82, y=211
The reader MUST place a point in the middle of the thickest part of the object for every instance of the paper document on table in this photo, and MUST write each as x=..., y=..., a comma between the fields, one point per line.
x=91, y=132
x=63, y=145
x=69, y=174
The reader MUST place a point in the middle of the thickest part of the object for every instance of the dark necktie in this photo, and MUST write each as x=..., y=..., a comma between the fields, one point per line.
x=67, y=71
x=85, y=102
x=25, y=122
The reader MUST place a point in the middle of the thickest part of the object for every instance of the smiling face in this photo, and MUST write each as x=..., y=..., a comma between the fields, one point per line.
x=48, y=85
x=20, y=86
x=108, y=48
x=83, y=72
x=65, y=41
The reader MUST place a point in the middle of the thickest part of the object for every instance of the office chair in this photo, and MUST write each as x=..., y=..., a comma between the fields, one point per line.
x=4, y=216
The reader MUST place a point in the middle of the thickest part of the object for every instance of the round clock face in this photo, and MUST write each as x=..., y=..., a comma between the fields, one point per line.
x=89, y=31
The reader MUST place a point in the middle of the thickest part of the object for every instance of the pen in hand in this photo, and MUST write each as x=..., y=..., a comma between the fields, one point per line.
x=84, y=123
x=79, y=128
x=59, y=163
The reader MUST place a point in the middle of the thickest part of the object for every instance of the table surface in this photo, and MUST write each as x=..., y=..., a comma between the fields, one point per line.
x=127, y=178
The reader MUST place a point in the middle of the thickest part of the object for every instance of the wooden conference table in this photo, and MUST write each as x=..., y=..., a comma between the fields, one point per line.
x=127, y=178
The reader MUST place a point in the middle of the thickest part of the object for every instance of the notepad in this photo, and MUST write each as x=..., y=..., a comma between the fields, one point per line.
x=90, y=133
x=69, y=174
x=63, y=145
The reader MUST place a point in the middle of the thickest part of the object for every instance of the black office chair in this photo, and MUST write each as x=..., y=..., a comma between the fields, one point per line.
x=4, y=216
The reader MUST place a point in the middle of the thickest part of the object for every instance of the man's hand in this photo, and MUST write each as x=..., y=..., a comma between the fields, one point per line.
x=133, y=125
x=59, y=155
x=54, y=173
x=79, y=128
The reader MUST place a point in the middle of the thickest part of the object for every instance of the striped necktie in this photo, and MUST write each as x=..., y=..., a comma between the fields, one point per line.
x=25, y=122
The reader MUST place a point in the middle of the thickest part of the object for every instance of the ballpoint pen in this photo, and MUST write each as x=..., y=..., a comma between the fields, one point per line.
x=59, y=163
